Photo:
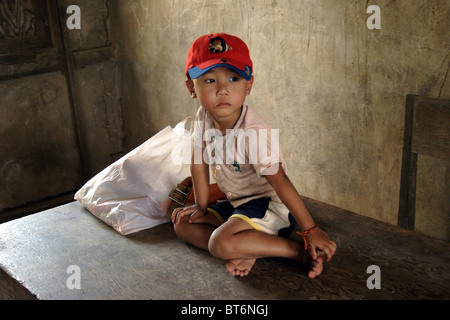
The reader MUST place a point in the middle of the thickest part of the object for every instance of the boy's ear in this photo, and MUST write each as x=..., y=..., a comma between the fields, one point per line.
x=191, y=89
x=249, y=85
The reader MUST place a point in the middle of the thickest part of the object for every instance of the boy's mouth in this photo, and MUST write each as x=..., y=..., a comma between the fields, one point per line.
x=223, y=105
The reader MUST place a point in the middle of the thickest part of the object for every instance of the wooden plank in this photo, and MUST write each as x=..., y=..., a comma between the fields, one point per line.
x=406, y=211
x=39, y=156
x=431, y=128
x=50, y=62
x=427, y=132
x=84, y=58
x=154, y=264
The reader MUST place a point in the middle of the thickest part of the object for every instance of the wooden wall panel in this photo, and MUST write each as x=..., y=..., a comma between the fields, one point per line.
x=39, y=154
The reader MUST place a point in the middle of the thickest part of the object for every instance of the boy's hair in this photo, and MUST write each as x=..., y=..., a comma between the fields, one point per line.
x=218, y=50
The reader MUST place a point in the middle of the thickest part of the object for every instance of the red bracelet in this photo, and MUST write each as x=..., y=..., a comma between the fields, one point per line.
x=305, y=233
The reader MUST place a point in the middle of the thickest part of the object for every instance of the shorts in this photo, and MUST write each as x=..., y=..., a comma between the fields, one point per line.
x=266, y=214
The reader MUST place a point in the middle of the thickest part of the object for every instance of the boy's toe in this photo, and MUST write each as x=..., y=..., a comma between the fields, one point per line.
x=316, y=268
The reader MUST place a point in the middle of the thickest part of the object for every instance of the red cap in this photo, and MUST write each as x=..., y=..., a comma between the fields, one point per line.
x=218, y=50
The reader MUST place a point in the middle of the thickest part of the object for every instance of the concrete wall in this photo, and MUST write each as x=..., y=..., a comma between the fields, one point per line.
x=335, y=88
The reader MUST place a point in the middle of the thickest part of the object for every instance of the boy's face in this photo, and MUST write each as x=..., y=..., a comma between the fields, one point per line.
x=221, y=91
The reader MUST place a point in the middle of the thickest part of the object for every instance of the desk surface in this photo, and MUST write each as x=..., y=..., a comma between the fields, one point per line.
x=39, y=249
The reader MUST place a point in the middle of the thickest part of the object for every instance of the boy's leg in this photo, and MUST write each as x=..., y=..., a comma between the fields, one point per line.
x=198, y=232
x=236, y=240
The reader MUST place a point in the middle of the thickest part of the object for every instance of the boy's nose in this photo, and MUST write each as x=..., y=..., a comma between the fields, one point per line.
x=222, y=88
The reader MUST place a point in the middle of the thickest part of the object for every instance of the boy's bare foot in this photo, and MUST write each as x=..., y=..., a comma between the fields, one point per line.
x=240, y=267
x=315, y=266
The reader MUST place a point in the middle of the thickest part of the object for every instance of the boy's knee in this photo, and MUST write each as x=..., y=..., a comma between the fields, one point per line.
x=220, y=245
x=180, y=229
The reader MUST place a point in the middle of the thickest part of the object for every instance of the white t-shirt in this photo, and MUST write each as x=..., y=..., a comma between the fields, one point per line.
x=240, y=159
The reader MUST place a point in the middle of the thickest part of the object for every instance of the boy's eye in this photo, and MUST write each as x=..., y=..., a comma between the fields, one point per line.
x=209, y=80
x=234, y=79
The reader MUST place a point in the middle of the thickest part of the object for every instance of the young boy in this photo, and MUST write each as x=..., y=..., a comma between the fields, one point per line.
x=258, y=216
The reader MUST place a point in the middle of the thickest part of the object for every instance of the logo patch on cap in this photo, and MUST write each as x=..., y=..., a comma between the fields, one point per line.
x=248, y=71
x=218, y=45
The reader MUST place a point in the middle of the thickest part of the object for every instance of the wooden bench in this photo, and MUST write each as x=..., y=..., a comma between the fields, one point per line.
x=37, y=252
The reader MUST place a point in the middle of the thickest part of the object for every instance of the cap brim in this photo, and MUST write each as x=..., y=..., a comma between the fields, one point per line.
x=196, y=71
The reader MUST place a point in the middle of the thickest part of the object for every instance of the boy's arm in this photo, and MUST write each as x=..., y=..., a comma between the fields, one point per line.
x=199, y=169
x=293, y=201
x=200, y=179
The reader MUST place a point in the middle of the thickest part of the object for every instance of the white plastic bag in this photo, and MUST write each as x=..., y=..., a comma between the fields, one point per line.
x=132, y=193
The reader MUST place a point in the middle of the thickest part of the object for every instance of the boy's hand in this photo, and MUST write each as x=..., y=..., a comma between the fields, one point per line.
x=319, y=241
x=194, y=212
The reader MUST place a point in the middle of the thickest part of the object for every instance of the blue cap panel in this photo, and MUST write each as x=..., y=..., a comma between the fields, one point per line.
x=196, y=72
